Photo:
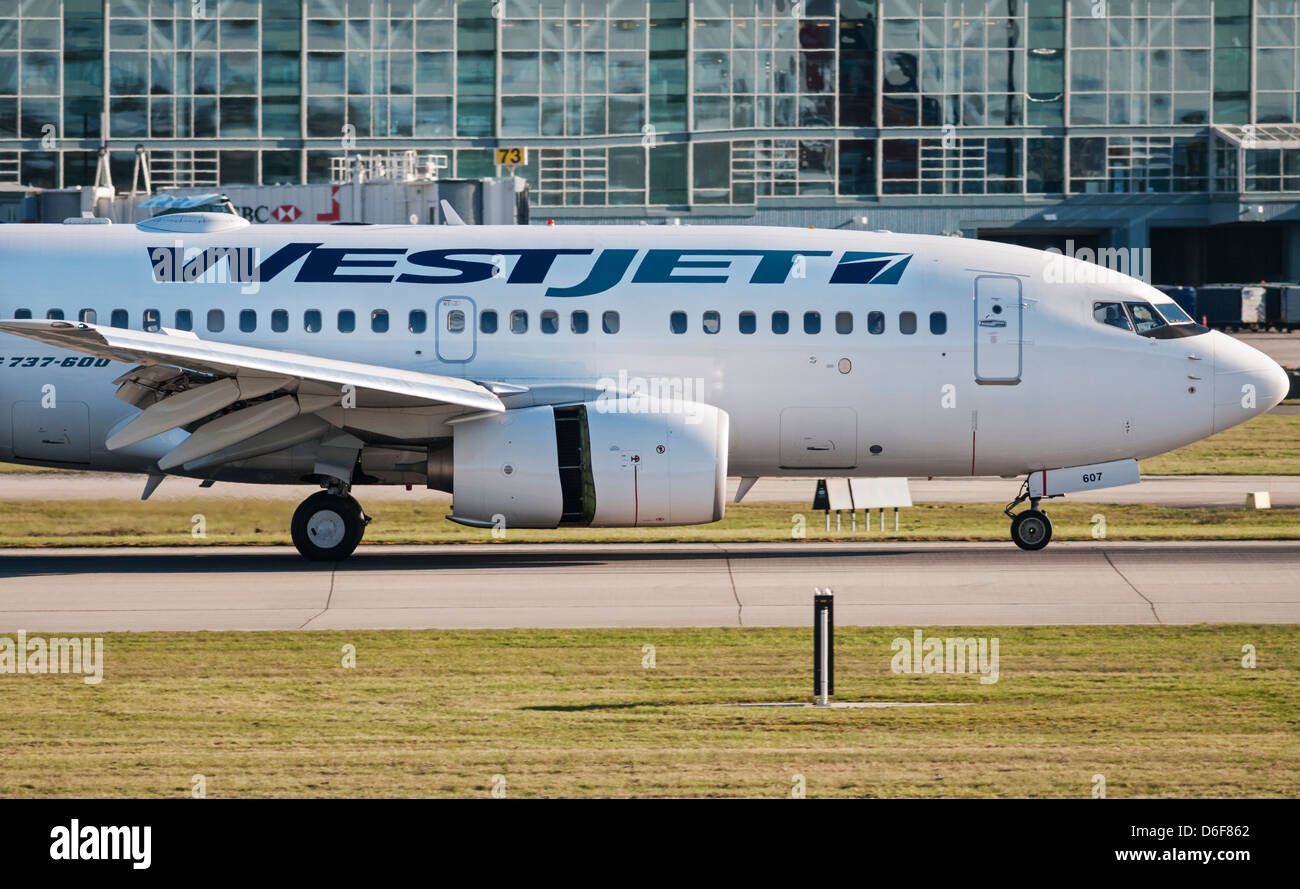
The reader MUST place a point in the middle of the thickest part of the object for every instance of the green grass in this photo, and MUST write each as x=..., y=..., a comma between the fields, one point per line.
x=1159, y=711
x=260, y=522
x=1266, y=445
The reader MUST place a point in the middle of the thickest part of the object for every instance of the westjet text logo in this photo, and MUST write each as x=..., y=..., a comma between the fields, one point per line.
x=584, y=272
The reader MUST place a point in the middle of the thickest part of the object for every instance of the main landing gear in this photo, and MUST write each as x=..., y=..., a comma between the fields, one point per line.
x=1031, y=529
x=328, y=526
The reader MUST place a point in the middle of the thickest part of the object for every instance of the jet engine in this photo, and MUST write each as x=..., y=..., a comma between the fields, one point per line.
x=615, y=464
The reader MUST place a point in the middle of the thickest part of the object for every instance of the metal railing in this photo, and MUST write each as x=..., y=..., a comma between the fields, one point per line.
x=10, y=167
x=184, y=168
x=397, y=166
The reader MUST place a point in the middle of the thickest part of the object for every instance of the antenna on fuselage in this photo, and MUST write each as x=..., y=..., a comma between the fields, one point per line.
x=449, y=214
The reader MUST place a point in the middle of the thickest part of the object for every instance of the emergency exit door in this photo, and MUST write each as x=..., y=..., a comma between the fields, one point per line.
x=999, y=313
x=455, y=330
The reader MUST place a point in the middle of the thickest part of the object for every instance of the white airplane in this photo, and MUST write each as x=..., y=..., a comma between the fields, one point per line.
x=601, y=376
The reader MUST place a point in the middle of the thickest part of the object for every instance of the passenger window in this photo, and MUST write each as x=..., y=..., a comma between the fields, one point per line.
x=844, y=322
x=780, y=322
x=279, y=321
x=1111, y=314
x=22, y=313
x=184, y=319
x=311, y=321
x=578, y=322
x=487, y=322
x=875, y=322
x=748, y=322
x=938, y=323
x=518, y=321
x=117, y=319
x=456, y=321
x=347, y=321
x=1144, y=317
x=247, y=320
x=416, y=321
x=379, y=321
x=152, y=320
x=56, y=315
x=677, y=322
x=86, y=316
x=712, y=322
x=550, y=321
x=812, y=322
x=907, y=322
x=216, y=320
x=609, y=322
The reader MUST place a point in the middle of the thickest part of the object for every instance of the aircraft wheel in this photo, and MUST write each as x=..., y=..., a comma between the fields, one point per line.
x=1031, y=529
x=327, y=527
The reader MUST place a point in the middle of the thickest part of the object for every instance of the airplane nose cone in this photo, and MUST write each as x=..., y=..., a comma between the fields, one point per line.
x=1246, y=382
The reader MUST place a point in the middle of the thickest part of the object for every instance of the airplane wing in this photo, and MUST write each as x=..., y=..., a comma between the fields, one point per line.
x=181, y=379
x=186, y=351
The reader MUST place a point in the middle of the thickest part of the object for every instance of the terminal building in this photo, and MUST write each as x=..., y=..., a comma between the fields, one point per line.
x=1162, y=124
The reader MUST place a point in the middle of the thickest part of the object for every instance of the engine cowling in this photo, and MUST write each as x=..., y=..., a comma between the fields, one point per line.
x=591, y=464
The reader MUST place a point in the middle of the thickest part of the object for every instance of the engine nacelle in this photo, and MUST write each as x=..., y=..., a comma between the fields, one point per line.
x=593, y=464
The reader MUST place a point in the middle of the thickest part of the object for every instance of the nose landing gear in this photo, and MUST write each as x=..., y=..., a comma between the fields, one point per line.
x=1031, y=529
x=328, y=526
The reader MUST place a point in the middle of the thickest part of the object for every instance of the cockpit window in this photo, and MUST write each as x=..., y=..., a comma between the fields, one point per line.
x=1174, y=313
x=1112, y=314
x=1145, y=317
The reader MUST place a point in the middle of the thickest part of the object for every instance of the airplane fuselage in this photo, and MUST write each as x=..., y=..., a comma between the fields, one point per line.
x=844, y=353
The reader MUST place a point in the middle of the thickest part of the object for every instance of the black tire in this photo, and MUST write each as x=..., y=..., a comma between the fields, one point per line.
x=327, y=527
x=1031, y=530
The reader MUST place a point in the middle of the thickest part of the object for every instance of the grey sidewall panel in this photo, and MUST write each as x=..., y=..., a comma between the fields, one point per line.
x=60, y=433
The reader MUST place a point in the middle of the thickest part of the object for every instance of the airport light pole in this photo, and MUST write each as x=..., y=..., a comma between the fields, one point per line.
x=823, y=646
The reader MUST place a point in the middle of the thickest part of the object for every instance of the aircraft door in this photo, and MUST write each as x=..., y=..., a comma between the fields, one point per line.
x=999, y=313
x=457, y=325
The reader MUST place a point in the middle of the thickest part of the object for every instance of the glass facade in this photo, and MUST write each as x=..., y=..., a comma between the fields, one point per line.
x=661, y=103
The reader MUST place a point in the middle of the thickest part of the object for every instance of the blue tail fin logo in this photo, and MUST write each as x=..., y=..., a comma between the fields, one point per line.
x=857, y=267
